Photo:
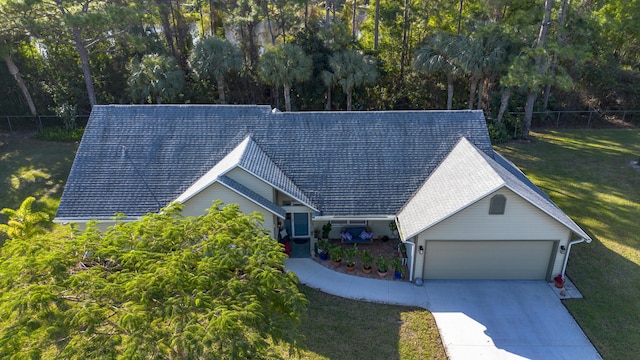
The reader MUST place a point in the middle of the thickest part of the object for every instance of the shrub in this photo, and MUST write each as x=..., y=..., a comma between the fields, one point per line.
x=60, y=134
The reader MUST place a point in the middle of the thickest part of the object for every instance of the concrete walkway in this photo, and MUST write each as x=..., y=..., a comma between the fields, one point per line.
x=476, y=319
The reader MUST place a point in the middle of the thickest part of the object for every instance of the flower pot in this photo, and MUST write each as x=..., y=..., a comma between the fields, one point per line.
x=323, y=256
x=336, y=264
x=382, y=274
x=559, y=284
x=350, y=268
x=397, y=275
x=367, y=270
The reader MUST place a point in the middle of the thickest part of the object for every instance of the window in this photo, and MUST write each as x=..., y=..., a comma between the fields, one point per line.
x=349, y=222
x=498, y=203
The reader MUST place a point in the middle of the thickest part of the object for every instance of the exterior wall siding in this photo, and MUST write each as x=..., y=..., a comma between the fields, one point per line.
x=199, y=203
x=521, y=221
x=253, y=183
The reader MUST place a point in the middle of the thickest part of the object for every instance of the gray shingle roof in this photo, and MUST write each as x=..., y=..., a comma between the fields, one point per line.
x=136, y=159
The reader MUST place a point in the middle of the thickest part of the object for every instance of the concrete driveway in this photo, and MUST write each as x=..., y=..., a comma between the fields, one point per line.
x=476, y=319
x=505, y=320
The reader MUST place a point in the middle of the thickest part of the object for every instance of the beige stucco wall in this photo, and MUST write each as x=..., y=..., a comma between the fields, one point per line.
x=203, y=200
x=521, y=221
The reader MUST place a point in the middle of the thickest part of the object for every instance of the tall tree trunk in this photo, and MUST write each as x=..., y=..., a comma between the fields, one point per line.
x=533, y=92
x=481, y=86
x=472, y=91
x=287, y=97
x=15, y=72
x=86, y=68
x=449, y=91
x=271, y=34
x=376, y=29
x=328, y=104
x=528, y=113
x=349, y=98
x=460, y=16
x=504, y=102
x=212, y=22
x=166, y=26
x=220, y=84
x=181, y=35
x=554, y=61
x=405, y=38
x=353, y=20
x=327, y=17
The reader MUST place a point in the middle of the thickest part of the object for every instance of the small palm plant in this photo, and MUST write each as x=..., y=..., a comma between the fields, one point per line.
x=350, y=256
x=367, y=260
x=335, y=253
x=382, y=264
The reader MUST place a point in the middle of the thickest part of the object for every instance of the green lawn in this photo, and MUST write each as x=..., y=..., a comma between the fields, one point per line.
x=586, y=172
x=30, y=167
x=337, y=328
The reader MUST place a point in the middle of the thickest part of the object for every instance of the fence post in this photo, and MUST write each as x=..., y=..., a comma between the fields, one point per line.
x=589, y=121
x=9, y=122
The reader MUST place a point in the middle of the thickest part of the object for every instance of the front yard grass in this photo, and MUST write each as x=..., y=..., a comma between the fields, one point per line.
x=337, y=328
x=588, y=174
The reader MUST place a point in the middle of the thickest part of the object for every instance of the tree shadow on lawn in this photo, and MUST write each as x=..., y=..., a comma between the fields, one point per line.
x=337, y=328
x=30, y=167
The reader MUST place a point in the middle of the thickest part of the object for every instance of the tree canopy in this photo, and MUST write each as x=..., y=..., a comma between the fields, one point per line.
x=163, y=287
x=77, y=52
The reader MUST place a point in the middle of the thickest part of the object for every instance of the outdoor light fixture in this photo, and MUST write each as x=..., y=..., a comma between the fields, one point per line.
x=563, y=249
x=421, y=249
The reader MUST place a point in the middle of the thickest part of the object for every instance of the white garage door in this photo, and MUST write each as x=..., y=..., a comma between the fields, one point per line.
x=487, y=259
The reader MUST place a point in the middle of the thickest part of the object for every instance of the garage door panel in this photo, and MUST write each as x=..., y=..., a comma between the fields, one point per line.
x=487, y=259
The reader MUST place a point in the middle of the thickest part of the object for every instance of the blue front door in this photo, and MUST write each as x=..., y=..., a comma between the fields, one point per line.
x=297, y=225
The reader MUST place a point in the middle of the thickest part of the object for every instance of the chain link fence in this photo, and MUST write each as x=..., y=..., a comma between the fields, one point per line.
x=575, y=119
x=14, y=123
x=566, y=119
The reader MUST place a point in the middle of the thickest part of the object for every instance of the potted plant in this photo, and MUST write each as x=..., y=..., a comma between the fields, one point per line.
x=559, y=281
x=350, y=257
x=322, y=249
x=335, y=254
x=367, y=260
x=402, y=248
x=396, y=264
x=393, y=227
x=326, y=229
x=382, y=264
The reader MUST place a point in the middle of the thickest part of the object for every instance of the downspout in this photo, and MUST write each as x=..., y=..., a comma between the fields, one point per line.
x=566, y=258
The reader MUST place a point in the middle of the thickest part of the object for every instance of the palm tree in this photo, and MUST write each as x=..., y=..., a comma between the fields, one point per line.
x=440, y=54
x=154, y=77
x=351, y=69
x=215, y=57
x=285, y=65
x=479, y=57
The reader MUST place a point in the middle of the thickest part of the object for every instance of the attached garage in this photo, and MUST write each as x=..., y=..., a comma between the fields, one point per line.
x=500, y=259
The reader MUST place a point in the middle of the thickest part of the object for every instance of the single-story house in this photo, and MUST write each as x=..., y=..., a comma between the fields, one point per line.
x=462, y=210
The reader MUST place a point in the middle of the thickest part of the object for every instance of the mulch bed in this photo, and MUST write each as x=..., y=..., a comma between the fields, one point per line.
x=388, y=249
